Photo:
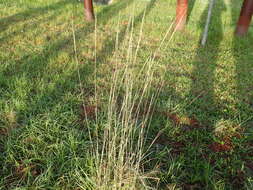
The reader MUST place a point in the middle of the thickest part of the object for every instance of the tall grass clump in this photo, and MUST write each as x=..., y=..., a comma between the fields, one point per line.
x=118, y=153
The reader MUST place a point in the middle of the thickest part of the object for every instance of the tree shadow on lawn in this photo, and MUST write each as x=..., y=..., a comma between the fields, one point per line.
x=35, y=66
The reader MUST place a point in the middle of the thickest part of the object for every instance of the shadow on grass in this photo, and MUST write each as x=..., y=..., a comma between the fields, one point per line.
x=190, y=8
x=243, y=55
x=28, y=63
x=109, y=45
x=197, y=164
x=189, y=144
x=35, y=67
x=32, y=26
x=204, y=65
x=30, y=14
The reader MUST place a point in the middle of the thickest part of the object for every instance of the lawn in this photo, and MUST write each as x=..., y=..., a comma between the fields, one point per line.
x=56, y=76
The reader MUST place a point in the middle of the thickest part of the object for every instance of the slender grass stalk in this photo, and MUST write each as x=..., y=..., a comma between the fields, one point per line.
x=120, y=152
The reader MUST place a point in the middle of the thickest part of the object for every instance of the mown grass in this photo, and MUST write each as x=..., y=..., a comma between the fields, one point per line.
x=201, y=122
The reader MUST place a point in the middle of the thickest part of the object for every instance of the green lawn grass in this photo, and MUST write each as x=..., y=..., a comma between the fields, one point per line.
x=203, y=117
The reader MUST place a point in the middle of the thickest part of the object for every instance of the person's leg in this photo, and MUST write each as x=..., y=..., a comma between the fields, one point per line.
x=245, y=18
x=88, y=7
x=181, y=14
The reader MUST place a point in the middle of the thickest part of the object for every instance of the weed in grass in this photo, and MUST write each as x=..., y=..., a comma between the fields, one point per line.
x=118, y=158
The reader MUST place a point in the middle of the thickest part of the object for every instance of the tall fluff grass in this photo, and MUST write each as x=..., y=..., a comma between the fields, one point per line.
x=118, y=154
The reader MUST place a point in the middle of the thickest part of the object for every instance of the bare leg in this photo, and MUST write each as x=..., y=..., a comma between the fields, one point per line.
x=88, y=8
x=245, y=18
x=181, y=14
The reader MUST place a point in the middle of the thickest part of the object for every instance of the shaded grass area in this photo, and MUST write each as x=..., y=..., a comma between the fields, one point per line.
x=203, y=115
